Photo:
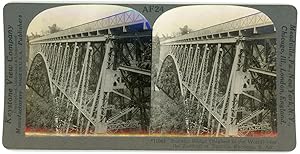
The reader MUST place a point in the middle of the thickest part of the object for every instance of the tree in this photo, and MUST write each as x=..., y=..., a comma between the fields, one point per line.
x=185, y=30
x=167, y=115
x=54, y=28
x=40, y=112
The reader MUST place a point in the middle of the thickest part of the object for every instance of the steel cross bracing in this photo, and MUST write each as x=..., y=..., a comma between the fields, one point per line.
x=241, y=26
x=98, y=74
x=227, y=82
x=99, y=27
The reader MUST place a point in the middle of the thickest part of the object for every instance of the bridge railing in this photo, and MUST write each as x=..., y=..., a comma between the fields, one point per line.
x=118, y=20
x=247, y=22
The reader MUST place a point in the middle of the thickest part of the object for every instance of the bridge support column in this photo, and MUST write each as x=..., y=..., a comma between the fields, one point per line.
x=101, y=128
x=231, y=94
x=232, y=130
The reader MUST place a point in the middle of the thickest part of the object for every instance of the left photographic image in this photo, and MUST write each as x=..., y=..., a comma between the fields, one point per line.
x=88, y=71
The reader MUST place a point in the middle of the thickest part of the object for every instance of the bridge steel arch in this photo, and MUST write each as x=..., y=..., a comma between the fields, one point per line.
x=228, y=74
x=39, y=54
x=100, y=72
x=170, y=63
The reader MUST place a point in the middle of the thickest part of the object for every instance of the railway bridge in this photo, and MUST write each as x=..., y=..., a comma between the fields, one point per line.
x=96, y=74
x=226, y=77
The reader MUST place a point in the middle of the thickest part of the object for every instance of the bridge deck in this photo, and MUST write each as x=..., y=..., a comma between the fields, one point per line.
x=254, y=23
x=98, y=27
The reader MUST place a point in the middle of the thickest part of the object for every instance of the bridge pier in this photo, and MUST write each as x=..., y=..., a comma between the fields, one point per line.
x=101, y=128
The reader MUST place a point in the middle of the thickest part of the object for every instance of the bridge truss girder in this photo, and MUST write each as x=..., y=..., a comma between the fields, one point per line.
x=98, y=85
x=228, y=85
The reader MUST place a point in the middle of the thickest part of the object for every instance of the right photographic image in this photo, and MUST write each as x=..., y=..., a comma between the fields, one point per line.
x=214, y=73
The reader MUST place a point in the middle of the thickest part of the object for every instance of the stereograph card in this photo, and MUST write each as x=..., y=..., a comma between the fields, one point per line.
x=147, y=76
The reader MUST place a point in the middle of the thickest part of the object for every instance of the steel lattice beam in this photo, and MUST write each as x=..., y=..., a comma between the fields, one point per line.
x=227, y=81
x=98, y=77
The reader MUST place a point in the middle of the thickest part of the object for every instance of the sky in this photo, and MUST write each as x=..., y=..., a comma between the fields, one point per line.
x=71, y=15
x=197, y=17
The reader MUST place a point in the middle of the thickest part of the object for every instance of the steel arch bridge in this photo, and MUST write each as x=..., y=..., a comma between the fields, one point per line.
x=226, y=76
x=98, y=74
